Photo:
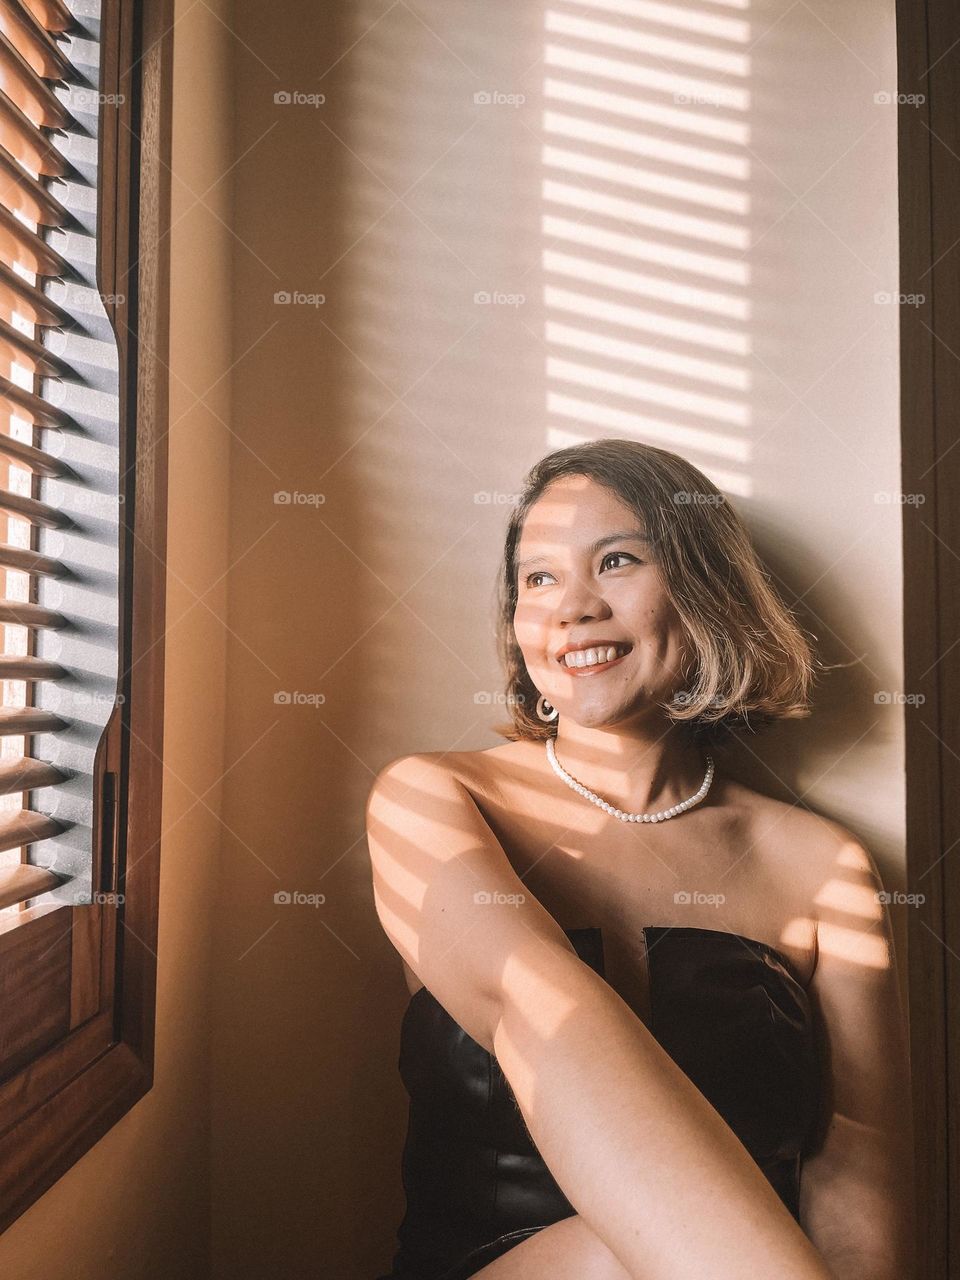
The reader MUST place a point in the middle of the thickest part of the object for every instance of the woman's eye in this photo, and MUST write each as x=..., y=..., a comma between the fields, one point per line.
x=531, y=578
x=617, y=555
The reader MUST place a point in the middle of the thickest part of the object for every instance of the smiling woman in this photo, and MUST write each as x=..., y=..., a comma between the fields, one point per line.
x=684, y=551
x=603, y=1083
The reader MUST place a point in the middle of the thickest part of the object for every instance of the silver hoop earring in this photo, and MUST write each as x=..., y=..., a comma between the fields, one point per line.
x=545, y=711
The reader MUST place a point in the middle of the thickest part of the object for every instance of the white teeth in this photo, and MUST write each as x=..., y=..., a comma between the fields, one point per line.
x=589, y=657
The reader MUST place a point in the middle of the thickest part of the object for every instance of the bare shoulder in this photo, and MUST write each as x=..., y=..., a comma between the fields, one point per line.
x=423, y=779
x=428, y=786
x=483, y=772
x=833, y=870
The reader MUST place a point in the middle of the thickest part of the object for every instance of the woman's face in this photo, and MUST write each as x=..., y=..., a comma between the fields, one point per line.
x=585, y=576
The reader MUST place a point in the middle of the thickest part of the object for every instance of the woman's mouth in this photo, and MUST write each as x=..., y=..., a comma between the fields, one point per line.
x=594, y=659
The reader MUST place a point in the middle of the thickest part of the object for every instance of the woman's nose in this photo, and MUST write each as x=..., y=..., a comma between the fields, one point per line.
x=581, y=600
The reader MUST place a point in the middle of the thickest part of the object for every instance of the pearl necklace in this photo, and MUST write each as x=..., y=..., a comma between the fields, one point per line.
x=662, y=816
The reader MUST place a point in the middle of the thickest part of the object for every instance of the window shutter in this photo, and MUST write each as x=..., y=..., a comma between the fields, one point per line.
x=59, y=466
x=85, y=145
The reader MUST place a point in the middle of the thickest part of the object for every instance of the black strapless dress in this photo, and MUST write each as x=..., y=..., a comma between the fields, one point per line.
x=729, y=1010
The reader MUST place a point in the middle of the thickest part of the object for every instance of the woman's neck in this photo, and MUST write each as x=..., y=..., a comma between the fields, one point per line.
x=640, y=769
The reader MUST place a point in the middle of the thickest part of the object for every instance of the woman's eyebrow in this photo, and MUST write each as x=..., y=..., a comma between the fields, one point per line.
x=625, y=535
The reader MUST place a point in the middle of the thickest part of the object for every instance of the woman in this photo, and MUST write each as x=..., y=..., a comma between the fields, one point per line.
x=644, y=997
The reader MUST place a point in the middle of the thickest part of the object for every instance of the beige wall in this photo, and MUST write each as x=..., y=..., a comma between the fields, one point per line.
x=399, y=400
x=136, y=1206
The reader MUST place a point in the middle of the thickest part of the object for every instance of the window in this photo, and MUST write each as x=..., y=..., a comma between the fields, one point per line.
x=84, y=165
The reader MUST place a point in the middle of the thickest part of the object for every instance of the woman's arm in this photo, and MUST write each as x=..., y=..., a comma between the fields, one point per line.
x=639, y=1152
x=856, y=1191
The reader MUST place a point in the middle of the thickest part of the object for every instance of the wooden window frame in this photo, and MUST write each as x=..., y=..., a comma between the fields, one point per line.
x=928, y=56
x=63, y=1100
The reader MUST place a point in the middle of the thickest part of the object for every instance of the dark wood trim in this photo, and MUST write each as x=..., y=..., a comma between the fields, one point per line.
x=928, y=32
x=100, y=1063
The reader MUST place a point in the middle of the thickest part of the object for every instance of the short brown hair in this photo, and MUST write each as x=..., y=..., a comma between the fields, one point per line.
x=753, y=664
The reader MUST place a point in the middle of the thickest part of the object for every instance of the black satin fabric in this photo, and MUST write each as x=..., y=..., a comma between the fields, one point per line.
x=730, y=1012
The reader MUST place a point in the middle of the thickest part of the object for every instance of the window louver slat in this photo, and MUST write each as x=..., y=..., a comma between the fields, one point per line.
x=38, y=513
x=23, y=30
x=19, y=244
x=16, y=295
x=29, y=91
x=34, y=406
x=25, y=773
x=26, y=560
x=51, y=14
x=26, y=825
x=24, y=140
x=24, y=614
x=14, y=666
x=17, y=720
x=18, y=884
x=44, y=464
x=21, y=193
x=19, y=348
